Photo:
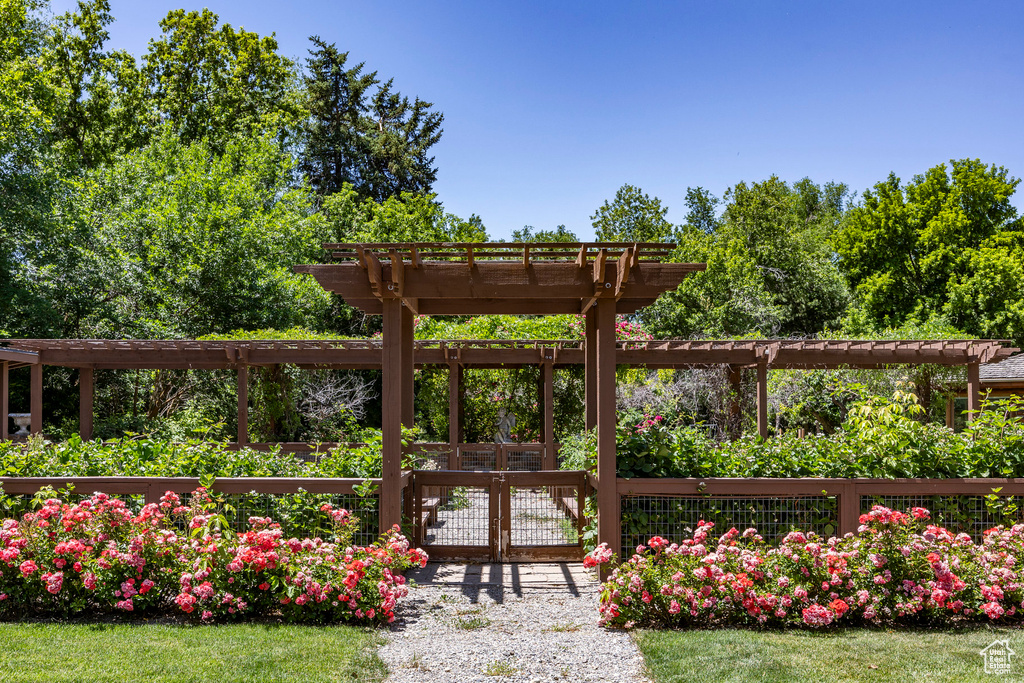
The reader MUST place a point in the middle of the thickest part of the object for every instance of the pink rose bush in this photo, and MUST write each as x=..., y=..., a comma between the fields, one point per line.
x=898, y=568
x=98, y=555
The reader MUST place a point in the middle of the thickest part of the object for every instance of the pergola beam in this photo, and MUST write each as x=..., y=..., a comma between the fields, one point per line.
x=367, y=354
x=19, y=356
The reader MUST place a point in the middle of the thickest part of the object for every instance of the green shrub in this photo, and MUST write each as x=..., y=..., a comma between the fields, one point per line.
x=881, y=438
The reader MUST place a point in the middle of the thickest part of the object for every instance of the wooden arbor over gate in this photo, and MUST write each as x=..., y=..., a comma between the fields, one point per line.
x=595, y=279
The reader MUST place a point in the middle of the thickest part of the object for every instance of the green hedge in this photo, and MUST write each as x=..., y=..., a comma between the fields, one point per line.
x=149, y=457
x=881, y=438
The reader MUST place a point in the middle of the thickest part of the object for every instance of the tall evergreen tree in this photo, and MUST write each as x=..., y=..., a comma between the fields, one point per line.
x=336, y=102
x=362, y=132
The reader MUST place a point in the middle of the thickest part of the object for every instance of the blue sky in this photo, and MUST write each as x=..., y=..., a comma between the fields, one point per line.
x=551, y=106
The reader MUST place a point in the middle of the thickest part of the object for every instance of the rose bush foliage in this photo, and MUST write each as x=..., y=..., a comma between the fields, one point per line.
x=68, y=558
x=898, y=568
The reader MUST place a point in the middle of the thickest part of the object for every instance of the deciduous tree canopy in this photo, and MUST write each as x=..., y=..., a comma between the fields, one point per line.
x=949, y=243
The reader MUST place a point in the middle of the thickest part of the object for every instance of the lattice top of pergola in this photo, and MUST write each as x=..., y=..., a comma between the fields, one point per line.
x=499, y=277
x=474, y=252
x=484, y=353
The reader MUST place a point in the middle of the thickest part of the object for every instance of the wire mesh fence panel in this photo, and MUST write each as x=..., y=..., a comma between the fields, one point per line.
x=299, y=514
x=457, y=516
x=525, y=461
x=479, y=460
x=960, y=514
x=542, y=516
x=675, y=517
x=429, y=459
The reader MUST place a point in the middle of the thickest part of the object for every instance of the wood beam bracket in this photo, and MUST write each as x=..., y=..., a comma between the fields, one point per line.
x=397, y=284
x=374, y=271
x=599, y=265
x=361, y=256
x=237, y=355
x=601, y=288
x=412, y=304
x=622, y=272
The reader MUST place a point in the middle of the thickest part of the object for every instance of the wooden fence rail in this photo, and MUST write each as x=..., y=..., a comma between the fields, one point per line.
x=154, y=487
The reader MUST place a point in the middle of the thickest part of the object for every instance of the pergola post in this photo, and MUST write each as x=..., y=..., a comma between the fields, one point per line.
x=973, y=390
x=608, y=510
x=36, y=398
x=454, y=414
x=735, y=401
x=243, y=404
x=762, y=398
x=394, y=405
x=5, y=384
x=408, y=374
x=85, y=402
x=548, y=430
x=949, y=412
x=590, y=369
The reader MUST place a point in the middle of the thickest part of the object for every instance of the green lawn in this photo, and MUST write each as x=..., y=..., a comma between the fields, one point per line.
x=851, y=655
x=180, y=653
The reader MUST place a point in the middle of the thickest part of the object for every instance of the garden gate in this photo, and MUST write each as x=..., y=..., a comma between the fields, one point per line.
x=500, y=516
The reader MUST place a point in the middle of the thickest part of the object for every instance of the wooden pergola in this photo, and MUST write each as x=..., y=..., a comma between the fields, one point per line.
x=597, y=280
x=87, y=355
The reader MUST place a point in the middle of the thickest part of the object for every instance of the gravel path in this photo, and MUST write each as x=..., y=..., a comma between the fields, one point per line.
x=512, y=622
